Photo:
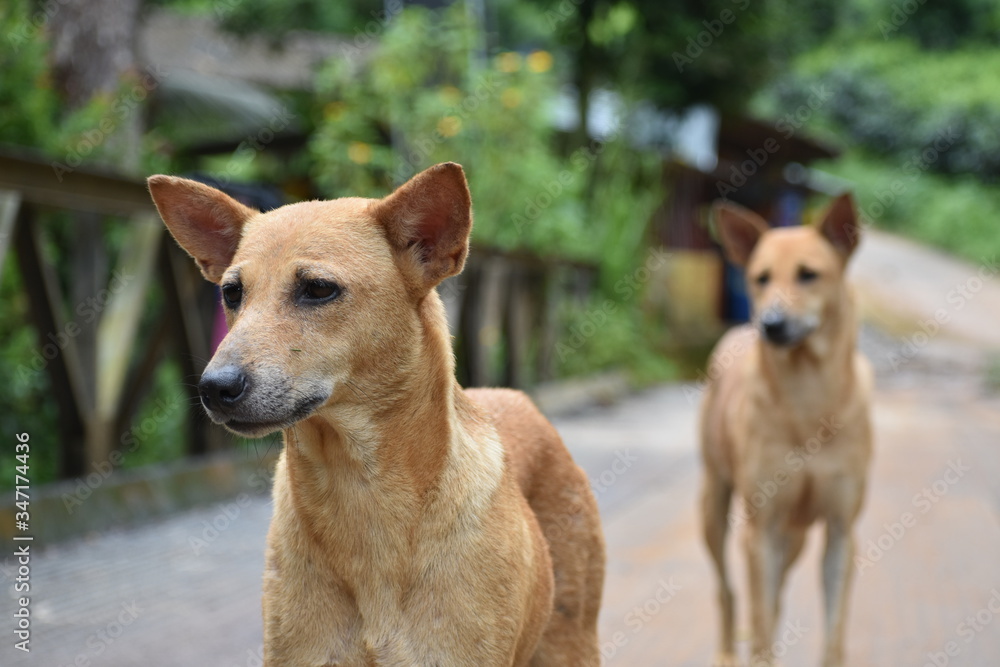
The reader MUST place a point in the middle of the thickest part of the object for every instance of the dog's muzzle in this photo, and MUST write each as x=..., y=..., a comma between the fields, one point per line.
x=780, y=329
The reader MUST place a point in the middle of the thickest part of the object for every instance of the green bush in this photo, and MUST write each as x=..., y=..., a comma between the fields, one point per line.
x=958, y=214
x=426, y=96
x=887, y=97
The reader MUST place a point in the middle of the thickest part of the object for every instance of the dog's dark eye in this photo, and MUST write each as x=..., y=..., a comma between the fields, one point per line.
x=763, y=278
x=232, y=294
x=320, y=291
x=807, y=275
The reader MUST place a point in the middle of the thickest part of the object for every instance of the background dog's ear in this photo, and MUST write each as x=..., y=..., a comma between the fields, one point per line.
x=427, y=221
x=739, y=230
x=205, y=222
x=840, y=225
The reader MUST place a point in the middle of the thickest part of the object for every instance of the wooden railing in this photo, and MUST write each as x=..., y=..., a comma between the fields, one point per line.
x=98, y=372
x=503, y=309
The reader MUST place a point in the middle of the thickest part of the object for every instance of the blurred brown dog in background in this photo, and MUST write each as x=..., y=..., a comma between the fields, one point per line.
x=414, y=523
x=785, y=420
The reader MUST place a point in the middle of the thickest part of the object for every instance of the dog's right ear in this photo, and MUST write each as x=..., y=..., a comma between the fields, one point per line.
x=205, y=222
x=427, y=221
x=739, y=230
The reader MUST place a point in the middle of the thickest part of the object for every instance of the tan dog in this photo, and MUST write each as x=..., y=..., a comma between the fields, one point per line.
x=414, y=523
x=785, y=419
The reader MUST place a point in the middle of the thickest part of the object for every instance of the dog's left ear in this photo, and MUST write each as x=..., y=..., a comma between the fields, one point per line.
x=427, y=221
x=840, y=225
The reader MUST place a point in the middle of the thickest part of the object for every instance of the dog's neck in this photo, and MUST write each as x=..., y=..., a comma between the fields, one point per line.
x=366, y=466
x=824, y=359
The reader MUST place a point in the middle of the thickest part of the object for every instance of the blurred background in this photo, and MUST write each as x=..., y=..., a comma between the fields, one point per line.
x=595, y=135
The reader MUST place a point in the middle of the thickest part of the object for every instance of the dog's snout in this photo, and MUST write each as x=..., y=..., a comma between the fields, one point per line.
x=775, y=325
x=222, y=388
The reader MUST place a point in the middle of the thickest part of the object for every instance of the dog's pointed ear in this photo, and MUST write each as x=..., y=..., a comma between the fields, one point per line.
x=427, y=221
x=739, y=230
x=840, y=225
x=207, y=223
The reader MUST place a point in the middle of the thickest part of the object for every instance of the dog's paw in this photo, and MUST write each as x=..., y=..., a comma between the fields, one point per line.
x=725, y=660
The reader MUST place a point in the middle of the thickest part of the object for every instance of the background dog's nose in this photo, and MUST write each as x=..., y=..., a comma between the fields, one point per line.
x=775, y=325
x=222, y=388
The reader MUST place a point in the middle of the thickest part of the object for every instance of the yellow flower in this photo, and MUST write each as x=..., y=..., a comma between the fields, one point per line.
x=540, y=61
x=359, y=152
x=449, y=126
x=511, y=98
x=508, y=62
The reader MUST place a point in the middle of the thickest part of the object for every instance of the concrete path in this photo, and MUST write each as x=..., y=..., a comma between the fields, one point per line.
x=905, y=284
x=186, y=591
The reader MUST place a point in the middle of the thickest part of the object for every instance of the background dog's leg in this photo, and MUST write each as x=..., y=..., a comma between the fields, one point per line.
x=795, y=538
x=837, y=573
x=716, y=495
x=766, y=553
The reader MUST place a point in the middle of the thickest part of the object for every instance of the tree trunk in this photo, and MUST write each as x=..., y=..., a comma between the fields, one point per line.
x=93, y=53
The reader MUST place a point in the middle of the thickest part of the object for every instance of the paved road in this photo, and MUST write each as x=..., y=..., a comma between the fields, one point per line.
x=159, y=596
x=185, y=592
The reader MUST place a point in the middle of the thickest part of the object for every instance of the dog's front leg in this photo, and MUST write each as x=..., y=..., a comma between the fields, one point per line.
x=765, y=558
x=837, y=573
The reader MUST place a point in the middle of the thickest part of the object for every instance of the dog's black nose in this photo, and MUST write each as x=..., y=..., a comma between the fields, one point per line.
x=775, y=326
x=222, y=388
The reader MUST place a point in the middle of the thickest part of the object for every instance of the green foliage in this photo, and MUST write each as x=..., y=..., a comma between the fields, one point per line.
x=28, y=105
x=424, y=99
x=954, y=213
x=25, y=393
x=32, y=114
x=681, y=52
x=887, y=97
x=607, y=334
x=277, y=17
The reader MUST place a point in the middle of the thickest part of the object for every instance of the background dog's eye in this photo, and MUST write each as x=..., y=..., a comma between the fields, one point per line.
x=763, y=278
x=807, y=275
x=232, y=294
x=320, y=290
